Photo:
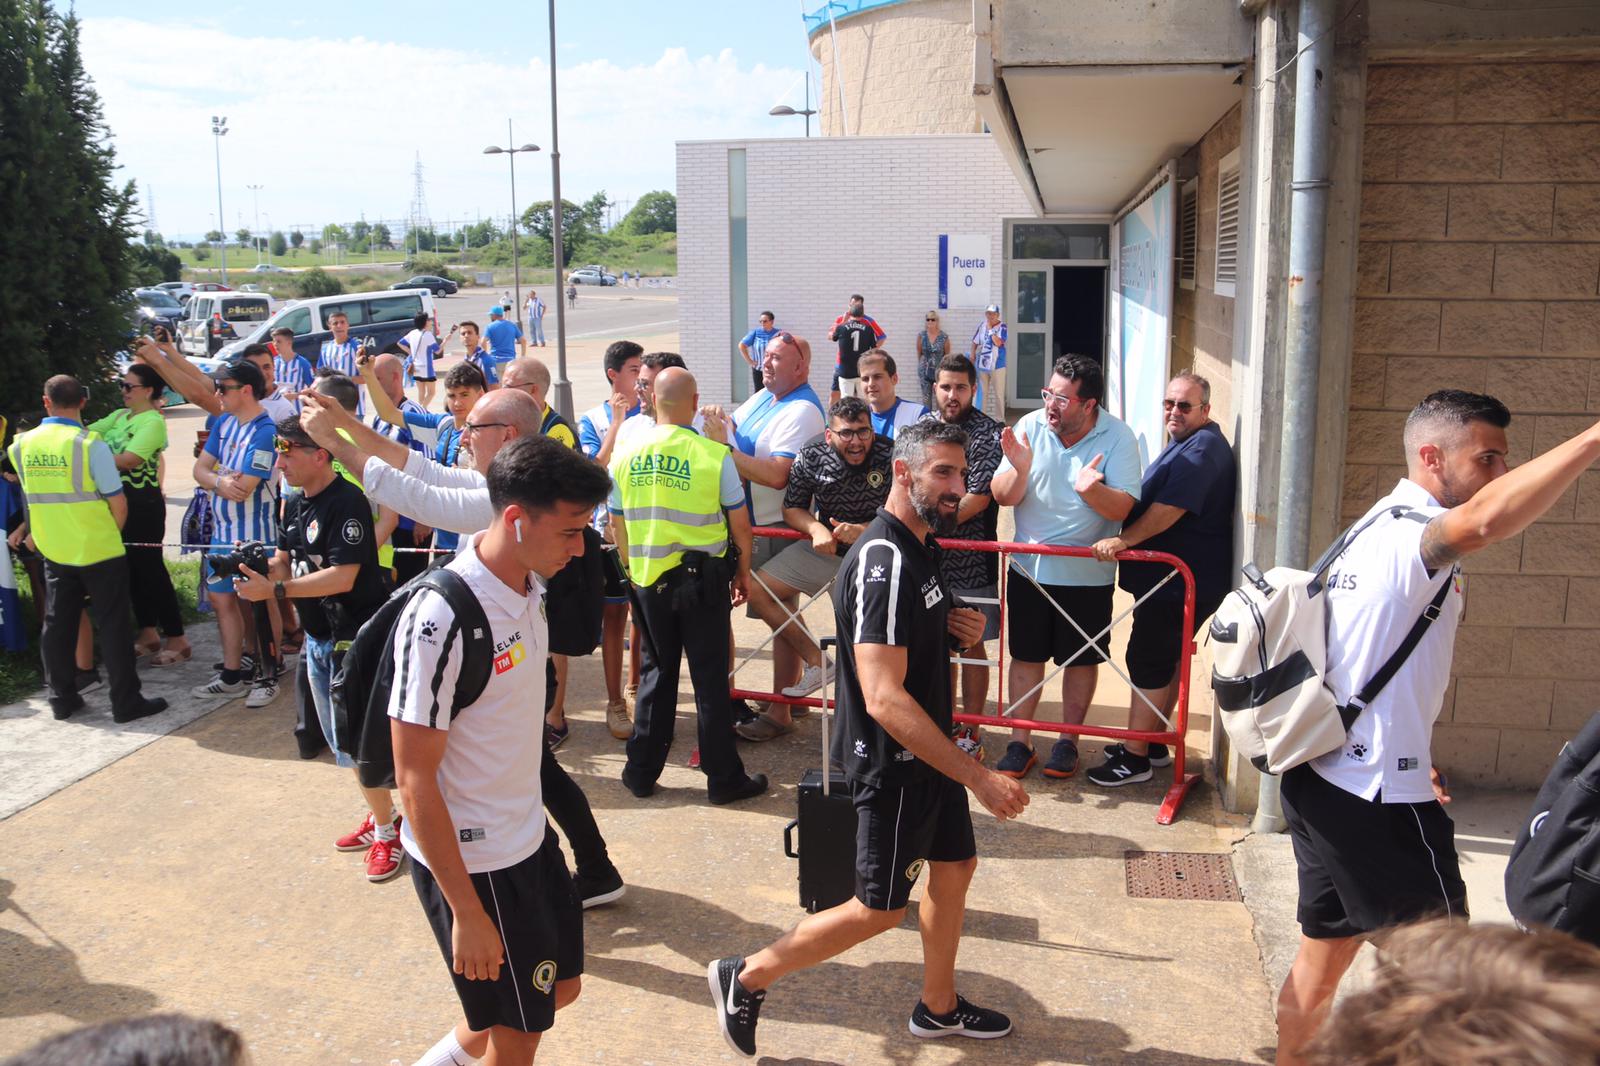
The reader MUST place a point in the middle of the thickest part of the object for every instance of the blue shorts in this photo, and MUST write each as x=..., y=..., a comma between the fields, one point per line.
x=214, y=583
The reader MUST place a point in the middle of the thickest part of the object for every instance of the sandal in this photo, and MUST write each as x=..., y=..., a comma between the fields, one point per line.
x=763, y=728
x=293, y=642
x=168, y=657
x=141, y=650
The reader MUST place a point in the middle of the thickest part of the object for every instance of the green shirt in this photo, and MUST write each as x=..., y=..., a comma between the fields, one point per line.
x=144, y=434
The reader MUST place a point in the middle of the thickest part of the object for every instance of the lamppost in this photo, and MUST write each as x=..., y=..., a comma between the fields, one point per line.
x=516, y=261
x=785, y=109
x=255, y=201
x=219, y=130
x=563, y=387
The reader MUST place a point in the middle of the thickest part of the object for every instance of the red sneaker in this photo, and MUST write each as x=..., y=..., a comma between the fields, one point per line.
x=363, y=837
x=383, y=859
x=694, y=758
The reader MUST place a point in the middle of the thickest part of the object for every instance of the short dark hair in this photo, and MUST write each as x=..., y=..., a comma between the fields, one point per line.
x=620, y=352
x=849, y=409
x=291, y=430
x=879, y=355
x=147, y=377
x=341, y=390
x=338, y=312
x=465, y=376
x=858, y=296
x=662, y=360
x=157, y=1038
x=1085, y=372
x=768, y=314
x=420, y=320
x=283, y=331
x=956, y=363
x=911, y=443
x=245, y=374
x=1450, y=411
x=64, y=390
x=536, y=472
x=465, y=322
x=251, y=350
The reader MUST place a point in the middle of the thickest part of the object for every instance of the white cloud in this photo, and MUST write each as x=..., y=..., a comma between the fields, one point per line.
x=331, y=127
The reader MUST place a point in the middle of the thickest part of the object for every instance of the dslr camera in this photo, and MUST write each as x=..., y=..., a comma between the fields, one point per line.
x=251, y=554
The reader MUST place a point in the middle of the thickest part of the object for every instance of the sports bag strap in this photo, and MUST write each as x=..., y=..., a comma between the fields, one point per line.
x=1350, y=711
x=1355, y=530
x=473, y=677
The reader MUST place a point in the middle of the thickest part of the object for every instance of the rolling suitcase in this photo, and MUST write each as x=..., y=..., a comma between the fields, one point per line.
x=826, y=819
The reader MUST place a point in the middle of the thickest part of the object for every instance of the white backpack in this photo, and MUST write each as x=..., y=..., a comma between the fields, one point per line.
x=1271, y=654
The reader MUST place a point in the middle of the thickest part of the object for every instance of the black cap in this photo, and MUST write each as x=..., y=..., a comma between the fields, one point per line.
x=245, y=374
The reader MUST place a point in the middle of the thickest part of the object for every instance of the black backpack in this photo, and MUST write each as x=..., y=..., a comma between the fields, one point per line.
x=575, y=599
x=365, y=677
x=1553, y=877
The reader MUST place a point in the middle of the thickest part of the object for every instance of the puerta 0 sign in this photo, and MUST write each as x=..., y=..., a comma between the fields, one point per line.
x=964, y=263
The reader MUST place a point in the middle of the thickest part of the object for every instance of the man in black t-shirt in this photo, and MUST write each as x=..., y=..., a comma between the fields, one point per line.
x=907, y=777
x=327, y=562
x=856, y=333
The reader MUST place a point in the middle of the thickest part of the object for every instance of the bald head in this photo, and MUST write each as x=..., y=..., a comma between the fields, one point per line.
x=497, y=417
x=677, y=396
x=529, y=375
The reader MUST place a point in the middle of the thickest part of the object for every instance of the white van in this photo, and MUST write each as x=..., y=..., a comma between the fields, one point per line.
x=385, y=316
x=215, y=318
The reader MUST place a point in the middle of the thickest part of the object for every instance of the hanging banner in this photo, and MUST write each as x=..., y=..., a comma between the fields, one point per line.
x=964, y=262
x=1143, y=245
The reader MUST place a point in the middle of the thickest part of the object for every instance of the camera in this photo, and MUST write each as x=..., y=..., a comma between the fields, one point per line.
x=251, y=554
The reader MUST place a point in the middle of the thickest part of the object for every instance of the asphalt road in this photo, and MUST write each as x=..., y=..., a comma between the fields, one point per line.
x=601, y=314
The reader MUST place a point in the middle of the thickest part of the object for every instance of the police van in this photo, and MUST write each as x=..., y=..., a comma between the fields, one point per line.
x=384, y=316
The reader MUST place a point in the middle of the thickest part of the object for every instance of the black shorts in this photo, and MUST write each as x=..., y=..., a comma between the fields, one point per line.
x=1038, y=632
x=540, y=919
x=899, y=827
x=1366, y=865
x=616, y=586
x=415, y=377
x=1155, y=643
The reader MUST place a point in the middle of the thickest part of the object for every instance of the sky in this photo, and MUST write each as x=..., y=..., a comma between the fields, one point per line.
x=329, y=104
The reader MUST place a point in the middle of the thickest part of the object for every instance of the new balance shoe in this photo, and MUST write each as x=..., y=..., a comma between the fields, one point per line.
x=363, y=836
x=217, y=688
x=1017, y=761
x=811, y=679
x=1063, y=761
x=555, y=736
x=1124, y=768
x=737, y=1009
x=980, y=1023
x=596, y=890
x=263, y=692
x=383, y=859
x=619, y=720
x=1159, y=756
x=970, y=741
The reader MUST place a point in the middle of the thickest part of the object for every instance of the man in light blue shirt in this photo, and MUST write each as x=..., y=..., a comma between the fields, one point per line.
x=1072, y=473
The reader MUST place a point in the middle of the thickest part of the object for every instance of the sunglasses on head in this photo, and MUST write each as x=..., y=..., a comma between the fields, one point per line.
x=282, y=446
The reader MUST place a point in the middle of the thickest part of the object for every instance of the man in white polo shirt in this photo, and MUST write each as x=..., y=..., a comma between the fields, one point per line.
x=1372, y=842
x=486, y=865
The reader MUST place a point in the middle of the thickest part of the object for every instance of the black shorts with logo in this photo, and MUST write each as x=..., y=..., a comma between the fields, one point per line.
x=1366, y=865
x=1039, y=632
x=899, y=828
x=540, y=918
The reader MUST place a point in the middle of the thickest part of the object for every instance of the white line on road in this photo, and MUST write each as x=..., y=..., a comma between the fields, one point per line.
x=615, y=329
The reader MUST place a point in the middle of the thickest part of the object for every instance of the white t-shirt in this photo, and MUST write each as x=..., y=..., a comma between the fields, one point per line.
x=636, y=424
x=766, y=427
x=278, y=406
x=489, y=776
x=1376, y=591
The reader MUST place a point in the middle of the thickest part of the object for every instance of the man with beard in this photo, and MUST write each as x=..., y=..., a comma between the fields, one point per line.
x=907, y=778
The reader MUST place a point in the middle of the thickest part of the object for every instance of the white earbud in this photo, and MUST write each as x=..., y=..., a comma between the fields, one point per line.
x=518, y=524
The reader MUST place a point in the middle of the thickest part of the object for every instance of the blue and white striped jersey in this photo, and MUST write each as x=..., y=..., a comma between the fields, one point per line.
x=244, y=448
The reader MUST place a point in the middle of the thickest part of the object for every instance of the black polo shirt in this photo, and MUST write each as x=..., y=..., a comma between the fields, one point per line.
x=821, y=480
x=889, y=592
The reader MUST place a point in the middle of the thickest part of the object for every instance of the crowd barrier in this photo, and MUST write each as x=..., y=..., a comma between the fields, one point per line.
x=1175, y=733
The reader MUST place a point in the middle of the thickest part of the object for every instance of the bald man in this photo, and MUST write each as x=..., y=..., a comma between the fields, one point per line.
x=530, y=375
x=677, y=508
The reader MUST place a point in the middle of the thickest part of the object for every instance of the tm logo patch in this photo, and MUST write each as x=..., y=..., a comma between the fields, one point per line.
x=508, y=659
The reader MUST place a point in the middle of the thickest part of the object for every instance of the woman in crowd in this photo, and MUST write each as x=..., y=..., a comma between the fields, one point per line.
x=137, y=435
x=932, y=346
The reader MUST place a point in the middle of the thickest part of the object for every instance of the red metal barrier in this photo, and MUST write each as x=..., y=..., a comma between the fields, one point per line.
x=1174, y=737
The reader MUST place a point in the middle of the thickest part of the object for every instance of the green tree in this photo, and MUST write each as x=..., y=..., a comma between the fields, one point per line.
x=66, y=306
x=276, y=244
x=152, y=264
x=359, y=231
x=574, y=229
x=381, y=236
x=316, y=246
x=242, y=235
x=333, y=233
x=593, y=213
x=214, y=236
x=297, y=238
x=655, y=212
x=201, y=253
x=318, y=282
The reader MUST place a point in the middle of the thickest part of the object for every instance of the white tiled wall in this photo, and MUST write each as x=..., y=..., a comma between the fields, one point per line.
x=829, y=217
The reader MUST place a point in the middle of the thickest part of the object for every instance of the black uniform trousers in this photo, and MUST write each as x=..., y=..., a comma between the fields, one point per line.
x=566, y=804
x=106, y=585
x=669, y=634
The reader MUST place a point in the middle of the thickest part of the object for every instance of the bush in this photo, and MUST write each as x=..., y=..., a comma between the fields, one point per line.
x=318, y=282
x=429, y=263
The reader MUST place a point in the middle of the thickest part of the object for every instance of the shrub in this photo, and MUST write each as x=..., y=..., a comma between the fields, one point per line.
x=318, y=282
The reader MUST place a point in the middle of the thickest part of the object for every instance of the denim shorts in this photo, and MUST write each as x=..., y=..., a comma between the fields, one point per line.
x=321, y=662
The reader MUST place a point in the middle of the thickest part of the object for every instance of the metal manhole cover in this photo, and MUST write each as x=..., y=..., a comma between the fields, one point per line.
x=1180, y=875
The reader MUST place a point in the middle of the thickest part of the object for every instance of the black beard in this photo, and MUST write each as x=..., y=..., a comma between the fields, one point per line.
x=927, y=508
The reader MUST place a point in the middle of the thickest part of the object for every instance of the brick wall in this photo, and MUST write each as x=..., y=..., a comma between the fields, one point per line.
x=1479, y=268
x=1202, y=321
x=829, y=217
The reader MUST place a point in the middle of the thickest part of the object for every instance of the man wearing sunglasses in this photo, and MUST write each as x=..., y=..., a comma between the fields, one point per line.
x=1186, y=508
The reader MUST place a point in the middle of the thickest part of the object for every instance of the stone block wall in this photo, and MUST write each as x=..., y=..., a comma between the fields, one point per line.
x=1479, y=268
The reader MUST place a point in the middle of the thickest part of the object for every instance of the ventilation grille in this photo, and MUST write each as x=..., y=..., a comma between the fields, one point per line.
x=1188, y=233
x=1227, y=228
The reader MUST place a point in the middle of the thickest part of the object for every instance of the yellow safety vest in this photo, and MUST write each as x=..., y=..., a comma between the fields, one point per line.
x=70, y=522
x=670, y=483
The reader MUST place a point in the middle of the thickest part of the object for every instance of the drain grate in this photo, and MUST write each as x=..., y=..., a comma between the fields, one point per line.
x=1180, y=875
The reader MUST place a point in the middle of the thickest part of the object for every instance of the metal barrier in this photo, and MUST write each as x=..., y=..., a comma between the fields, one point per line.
x=1177, y=726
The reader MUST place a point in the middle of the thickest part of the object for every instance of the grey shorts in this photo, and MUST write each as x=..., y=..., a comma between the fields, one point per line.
x=802, y=567
x=991, y=609
x=764, y=548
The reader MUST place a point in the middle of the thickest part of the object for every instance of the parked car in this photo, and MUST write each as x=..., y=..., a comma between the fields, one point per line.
x=181, y=290
x=216, y=318
x=271, y=268
x=156, y=305
x=436, y=285
x=591, y=276
x=384, y=315
x=249, y=288
x=211, y=286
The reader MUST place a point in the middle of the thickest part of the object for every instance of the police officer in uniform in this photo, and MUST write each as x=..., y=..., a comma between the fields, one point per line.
x=75, y=514
x=680, y=525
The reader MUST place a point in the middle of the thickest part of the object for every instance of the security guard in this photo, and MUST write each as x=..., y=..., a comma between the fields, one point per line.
x=75, y=514
x=676, y=503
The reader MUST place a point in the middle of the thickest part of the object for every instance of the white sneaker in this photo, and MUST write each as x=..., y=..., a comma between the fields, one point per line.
x=217, y=688
x=811, y=679
x=263, y=693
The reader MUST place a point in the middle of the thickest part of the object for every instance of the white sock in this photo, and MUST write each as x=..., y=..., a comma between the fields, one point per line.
x=447, y=1052
x=384, y=830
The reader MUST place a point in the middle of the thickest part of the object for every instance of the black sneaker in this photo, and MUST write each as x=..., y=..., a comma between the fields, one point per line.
x=966, y=1020
x=743, y=713
x=64, y=709
x=640, y=789
x=1123, y=768
x=596, y=890
x=87, y=681
x=247, y=665
x=555, y=736
x=753, y=786
x=1158, y=756
x=143, y=709
x=1017, y=761
x=737, y=1009
x=1063, y=761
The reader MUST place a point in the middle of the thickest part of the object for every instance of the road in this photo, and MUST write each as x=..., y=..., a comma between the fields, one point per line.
x=602, y=313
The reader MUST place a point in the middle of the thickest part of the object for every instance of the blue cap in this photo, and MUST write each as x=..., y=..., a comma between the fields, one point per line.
x=497, y=310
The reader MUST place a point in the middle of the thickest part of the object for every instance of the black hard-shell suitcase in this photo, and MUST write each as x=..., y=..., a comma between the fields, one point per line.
x=827, y=824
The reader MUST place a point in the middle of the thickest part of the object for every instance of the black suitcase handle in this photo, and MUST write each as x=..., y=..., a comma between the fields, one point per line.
x=788, y=839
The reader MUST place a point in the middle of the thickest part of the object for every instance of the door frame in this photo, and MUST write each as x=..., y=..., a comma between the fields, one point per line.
x=1014, y=327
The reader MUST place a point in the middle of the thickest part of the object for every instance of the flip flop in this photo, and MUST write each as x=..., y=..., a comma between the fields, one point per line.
x=141, y=650
x=763, y=729
x=172, y=658
x=293, y=642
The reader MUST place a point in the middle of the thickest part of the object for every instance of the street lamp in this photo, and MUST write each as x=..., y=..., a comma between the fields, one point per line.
x=563, y=387
x=516, y=261
x=219, y=130
x=784, y=109
x=255, y=200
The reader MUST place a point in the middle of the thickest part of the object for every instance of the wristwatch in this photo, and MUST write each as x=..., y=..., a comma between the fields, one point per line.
x=279, y=591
